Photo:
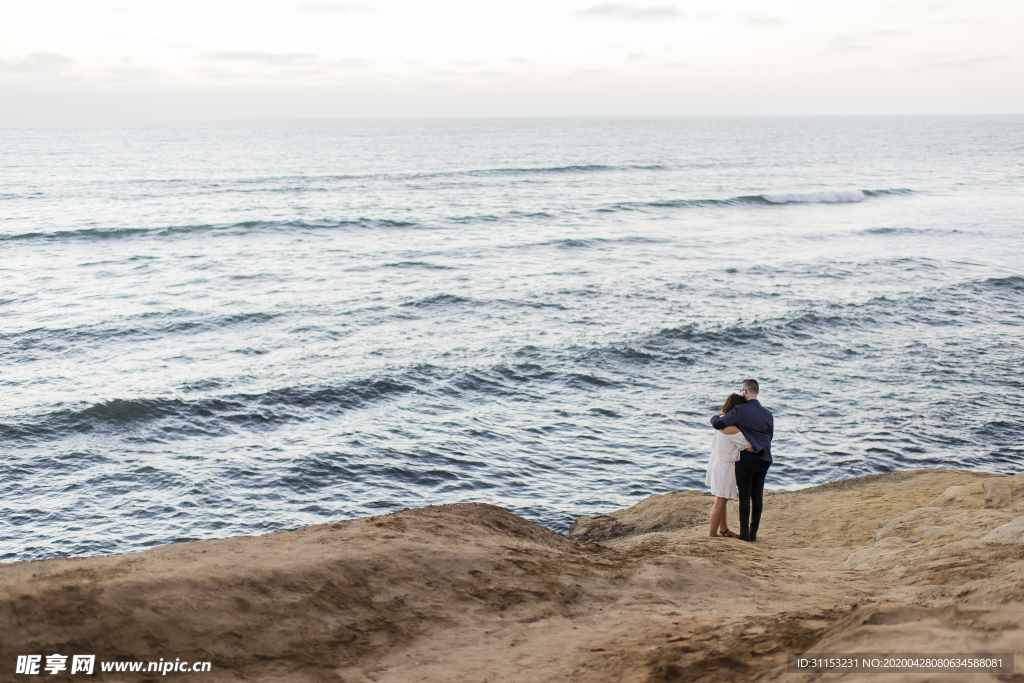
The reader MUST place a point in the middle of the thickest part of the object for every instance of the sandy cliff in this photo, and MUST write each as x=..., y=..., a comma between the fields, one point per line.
x=925, y=561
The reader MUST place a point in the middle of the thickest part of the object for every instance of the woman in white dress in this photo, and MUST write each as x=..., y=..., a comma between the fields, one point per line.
x=726, y=445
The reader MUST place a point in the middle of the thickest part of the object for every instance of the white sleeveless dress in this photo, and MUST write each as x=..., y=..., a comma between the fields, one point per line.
x=725, y=451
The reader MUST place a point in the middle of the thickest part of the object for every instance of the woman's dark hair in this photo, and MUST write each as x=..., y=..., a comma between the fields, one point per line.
x=731, y=401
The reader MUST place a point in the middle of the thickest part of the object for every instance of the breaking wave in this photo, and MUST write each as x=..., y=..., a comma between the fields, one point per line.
x=767, y=199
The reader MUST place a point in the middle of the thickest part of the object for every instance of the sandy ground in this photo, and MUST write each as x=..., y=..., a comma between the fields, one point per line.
x=929, y=561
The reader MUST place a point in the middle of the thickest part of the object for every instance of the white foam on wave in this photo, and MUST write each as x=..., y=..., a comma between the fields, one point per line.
x=823, y=197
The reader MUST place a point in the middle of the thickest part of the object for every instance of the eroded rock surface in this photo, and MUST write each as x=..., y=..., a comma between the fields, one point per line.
x=926, y=561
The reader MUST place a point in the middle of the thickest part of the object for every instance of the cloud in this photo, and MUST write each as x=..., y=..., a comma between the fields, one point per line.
x=853, y=47
x=323, y=7
x=128, y=73
x=861, y=41
x=219, y=73
x=942, y=61
x=37, y=63
x=298, y=73
x=847, y=43
x=635, y=56
x=470, y=74
x=333, y=8
x=283, y=64
x=271, y=58
x=764, y=20
x=608, y=10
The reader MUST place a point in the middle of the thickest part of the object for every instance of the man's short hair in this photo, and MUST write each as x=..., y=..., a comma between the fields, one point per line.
x=750, y=385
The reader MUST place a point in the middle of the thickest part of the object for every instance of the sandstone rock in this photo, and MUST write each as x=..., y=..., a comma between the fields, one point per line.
x=925, y=561
x=1011, y=532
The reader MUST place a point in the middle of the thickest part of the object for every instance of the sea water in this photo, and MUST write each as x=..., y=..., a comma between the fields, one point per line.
x=228, y=328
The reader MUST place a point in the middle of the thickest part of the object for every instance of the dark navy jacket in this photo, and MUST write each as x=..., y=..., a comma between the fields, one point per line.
x=756, y=424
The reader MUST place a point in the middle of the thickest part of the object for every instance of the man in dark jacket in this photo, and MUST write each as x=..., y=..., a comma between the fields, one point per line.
x=758, y=426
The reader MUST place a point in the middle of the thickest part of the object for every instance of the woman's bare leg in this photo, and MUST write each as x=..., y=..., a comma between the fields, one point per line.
x=717, y=517
x=723, y=527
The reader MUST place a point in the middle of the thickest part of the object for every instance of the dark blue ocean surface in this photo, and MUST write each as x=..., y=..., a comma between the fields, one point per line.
x=216, y=329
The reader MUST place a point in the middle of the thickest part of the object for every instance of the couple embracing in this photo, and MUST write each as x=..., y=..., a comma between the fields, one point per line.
x=741, y=453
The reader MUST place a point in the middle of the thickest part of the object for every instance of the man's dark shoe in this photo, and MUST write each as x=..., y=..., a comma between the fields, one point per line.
x=744, y=536
x=753, y=536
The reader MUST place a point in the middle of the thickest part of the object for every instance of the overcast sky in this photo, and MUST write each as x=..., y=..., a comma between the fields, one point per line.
x=80, y=59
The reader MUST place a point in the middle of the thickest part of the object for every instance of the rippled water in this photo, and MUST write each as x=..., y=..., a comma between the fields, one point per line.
x=213, y=329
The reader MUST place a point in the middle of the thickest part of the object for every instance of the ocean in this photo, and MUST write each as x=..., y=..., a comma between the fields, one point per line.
x=211, y=329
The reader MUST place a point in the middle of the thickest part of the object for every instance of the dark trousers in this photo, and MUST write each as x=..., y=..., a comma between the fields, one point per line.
x=750, y=475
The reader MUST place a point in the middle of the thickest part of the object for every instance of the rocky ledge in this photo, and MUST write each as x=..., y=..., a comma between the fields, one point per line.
x=926, y=561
